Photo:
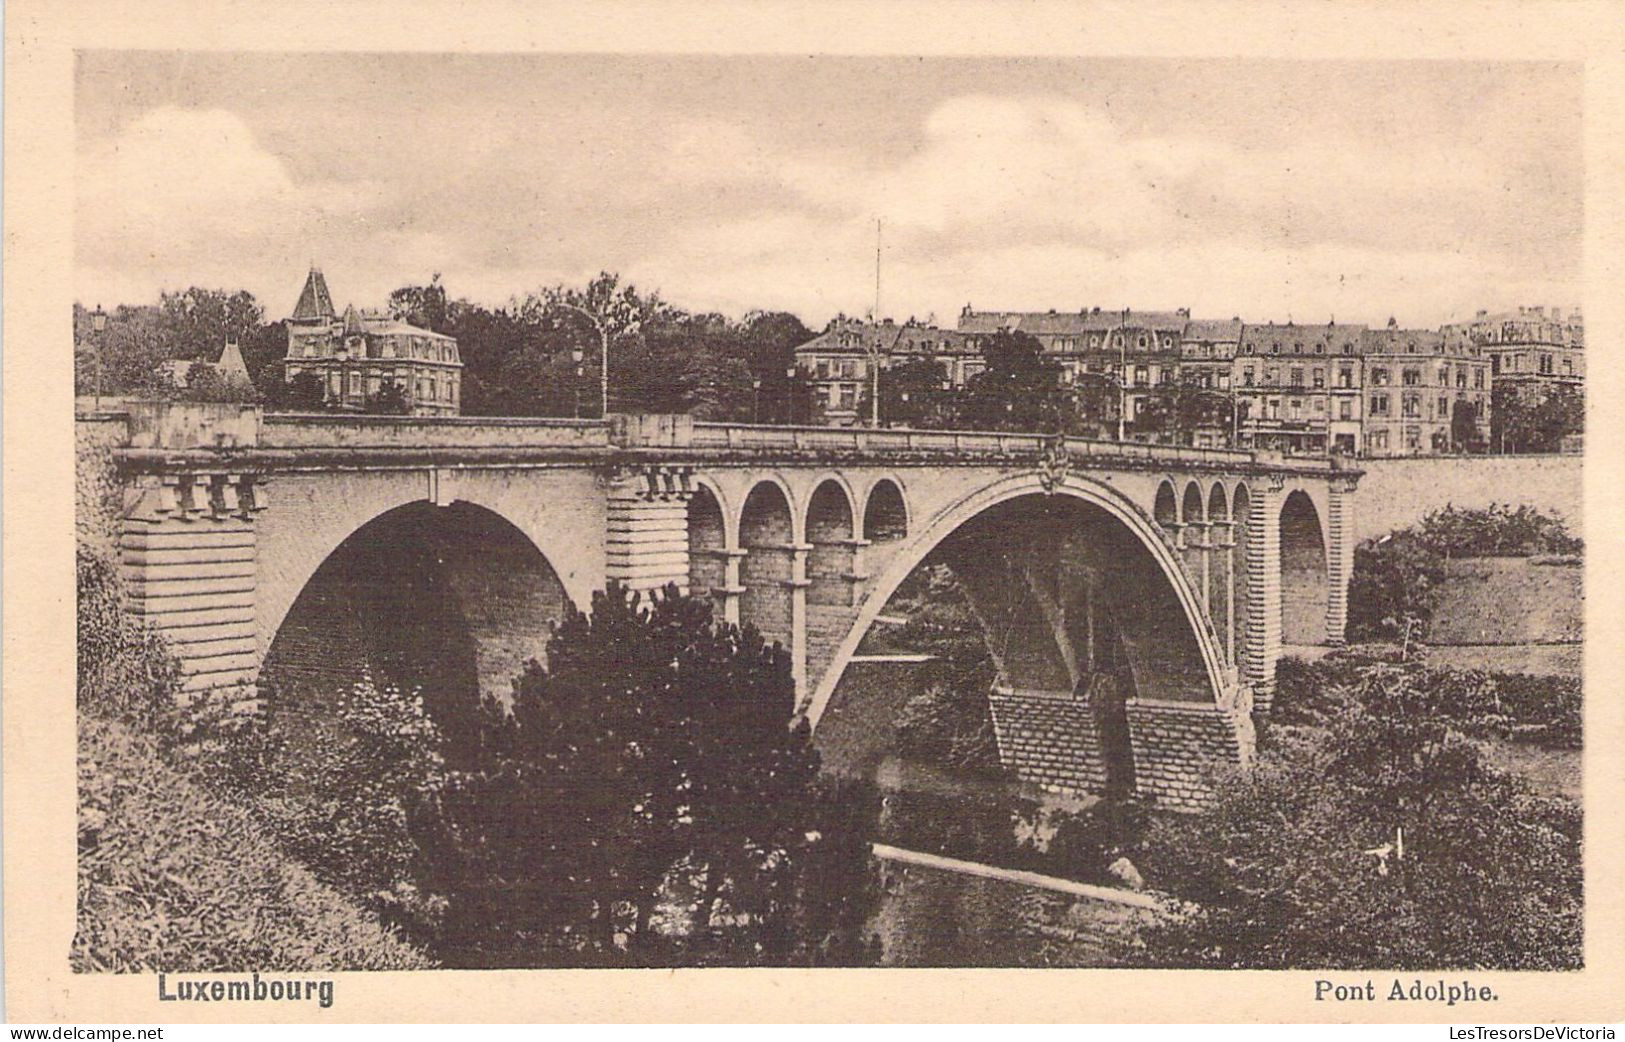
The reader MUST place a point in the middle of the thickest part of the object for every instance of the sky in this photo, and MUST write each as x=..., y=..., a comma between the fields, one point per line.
x=1269, y=190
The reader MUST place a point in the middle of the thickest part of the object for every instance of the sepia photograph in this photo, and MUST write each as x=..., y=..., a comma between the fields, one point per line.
x=617, y=510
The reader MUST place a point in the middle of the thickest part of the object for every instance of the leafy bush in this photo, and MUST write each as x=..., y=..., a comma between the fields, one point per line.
x=1498, y=531
x=125, y=670
x=1545, y=710
x=349, y=784
x=1300, y=866
x=173, y=878
x=950, y=728
x=1396, y=577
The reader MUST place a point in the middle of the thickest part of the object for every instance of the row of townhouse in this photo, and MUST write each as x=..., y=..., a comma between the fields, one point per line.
x=1338, y=387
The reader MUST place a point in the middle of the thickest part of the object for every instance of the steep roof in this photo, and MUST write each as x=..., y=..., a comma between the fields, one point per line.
x=315, y=303
x=1332, y=336
x=231, y=365
x=352, y=322
x=1221, y=330
x=1062, y=323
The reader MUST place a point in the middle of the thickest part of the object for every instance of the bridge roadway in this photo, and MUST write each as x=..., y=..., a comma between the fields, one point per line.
x=1135, y=597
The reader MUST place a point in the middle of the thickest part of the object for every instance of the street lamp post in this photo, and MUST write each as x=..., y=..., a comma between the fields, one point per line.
x=756, y=399
x=603, y=343
x=790, y=393
x=98, y=326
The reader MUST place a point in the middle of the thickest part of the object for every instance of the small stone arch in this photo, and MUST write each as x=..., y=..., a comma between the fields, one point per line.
x=885, y=512
x=767, y=537
x=1165, y=511
x=1221, y=567
x=708, y=542
x=1192, y=508
x=830, y=526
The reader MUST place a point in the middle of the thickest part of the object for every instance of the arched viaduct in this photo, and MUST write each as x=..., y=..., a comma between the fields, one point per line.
x=267, y=549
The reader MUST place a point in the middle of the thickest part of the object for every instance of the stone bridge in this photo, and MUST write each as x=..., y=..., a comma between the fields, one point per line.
x=270, y=549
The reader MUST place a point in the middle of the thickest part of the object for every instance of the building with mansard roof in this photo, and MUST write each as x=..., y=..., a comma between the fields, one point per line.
x=359, y=355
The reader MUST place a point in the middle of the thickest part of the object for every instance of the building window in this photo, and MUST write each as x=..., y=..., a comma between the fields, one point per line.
x=1461, y=377
x=1478, y=379
x=1379, y=377
x=1412, y=377
x=1345, y=377
x=1320, y=378
x=1272, y=378
x=1379, y=405
x=1377, y=441
x=1345, y=409
x=1444, y=407
x=1297, y=377
x=1413, y=438
x=1247, y=377
x=1411, y=407
x=1141, y=378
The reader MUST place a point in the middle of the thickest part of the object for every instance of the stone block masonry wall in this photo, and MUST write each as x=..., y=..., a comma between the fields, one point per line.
x=646, y=542
x=1397, y=493
x=1049, y=739
x=193, y=581
x=1263, y=627
x=1179, y=748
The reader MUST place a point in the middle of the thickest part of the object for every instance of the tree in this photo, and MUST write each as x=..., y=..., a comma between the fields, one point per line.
x=1464, y=436
x=1534, y=417
x=653, y=754
x=197, y=322
x=912, y=394
x=1300, y=866
x=389, y=401
x=1018, y=390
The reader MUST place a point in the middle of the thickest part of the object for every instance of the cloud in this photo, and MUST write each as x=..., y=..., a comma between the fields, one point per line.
x=187, y=194
x=1040, y=201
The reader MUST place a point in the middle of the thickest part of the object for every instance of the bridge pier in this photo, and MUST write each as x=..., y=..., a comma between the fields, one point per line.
x=1340, y=528
x=188, y=552
x=1263, y=591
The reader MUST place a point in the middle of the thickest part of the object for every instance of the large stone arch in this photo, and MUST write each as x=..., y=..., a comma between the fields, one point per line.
x=312, y=516
x=1304, y=574
x=921, y=543
x=453, y=599
x=1183, y=714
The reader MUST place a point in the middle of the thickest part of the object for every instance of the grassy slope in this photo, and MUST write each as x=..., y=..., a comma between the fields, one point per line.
x=174, y=878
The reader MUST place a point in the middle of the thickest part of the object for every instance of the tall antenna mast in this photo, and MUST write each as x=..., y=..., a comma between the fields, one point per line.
x=877, y=269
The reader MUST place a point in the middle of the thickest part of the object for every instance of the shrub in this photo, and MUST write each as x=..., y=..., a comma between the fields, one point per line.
x=1299, y=866
x=1396, y=577
x=1544, y=710
x=173, y=878
x=125, y=671
x=349, y=784
x=950, y=728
